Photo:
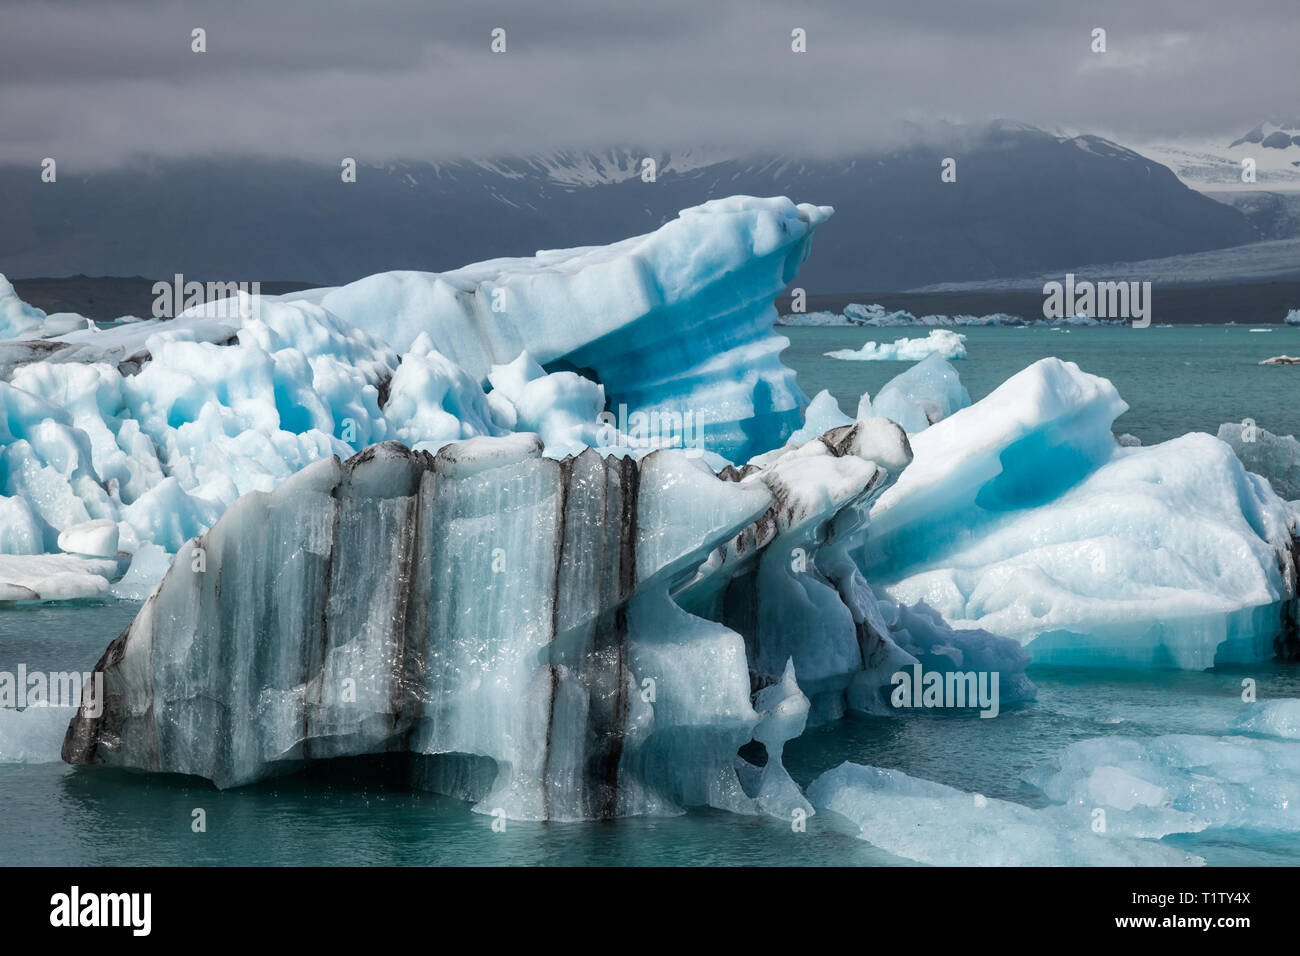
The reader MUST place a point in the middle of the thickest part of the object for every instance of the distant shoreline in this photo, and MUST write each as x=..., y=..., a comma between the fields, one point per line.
x=1263, y=303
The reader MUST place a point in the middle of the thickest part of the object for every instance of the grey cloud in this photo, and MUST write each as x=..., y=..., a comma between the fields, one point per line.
x=96, y=83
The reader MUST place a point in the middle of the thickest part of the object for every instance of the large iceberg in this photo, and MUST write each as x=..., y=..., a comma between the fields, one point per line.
x=562, y=534
x=1021, y=514
x=663, y=340
x=675, y=321
x=555, y=639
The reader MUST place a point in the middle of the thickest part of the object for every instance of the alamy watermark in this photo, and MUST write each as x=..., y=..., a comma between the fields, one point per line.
x=228, y=300
x=943, y=689
x=74, y=909
x=1099, y=300
x=22, y=689
x=650, y=430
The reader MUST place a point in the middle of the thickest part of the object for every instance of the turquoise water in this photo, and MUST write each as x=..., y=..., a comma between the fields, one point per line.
x=360, y=812
x=1175, y=380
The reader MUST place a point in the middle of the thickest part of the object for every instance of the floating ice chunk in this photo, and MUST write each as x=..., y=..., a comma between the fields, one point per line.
x=950, y=345
x=1021, y=515
x=1276, y=457
x=1180, y=783
x=815, y=319
x=96, y=538
x=56, y=577
x=1271, y=718
x=61, y=323
x=940, y=825
x=148, y=565
x=34, y=734
x=16, y=316
x=928, y=392
x=877, y=316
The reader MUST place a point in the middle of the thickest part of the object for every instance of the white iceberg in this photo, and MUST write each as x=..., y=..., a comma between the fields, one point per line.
x=926, y=393
x=1022, y=515
x=160, y=426
x=1276, y=457
x=933, y=823
x=950, y=345
x=1182, y=783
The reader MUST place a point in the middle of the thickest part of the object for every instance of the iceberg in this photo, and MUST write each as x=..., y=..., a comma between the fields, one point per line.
x=1276, y=457
x=926, y=393
x=487, y=606
x=674, y=321
x=951, y=345
x=556, y=639
x=664, y=340
x=1186, y=783
x=857, y=314
x=17, y=318
x=1271, y=718
x=940, y=825
x=1111, y=799
x=1022, y=515
x=57, y=577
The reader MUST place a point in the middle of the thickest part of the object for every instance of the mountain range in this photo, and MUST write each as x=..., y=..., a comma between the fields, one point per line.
x=1024, y=200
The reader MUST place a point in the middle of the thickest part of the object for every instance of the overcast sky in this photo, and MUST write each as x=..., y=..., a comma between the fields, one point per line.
x=94, y=82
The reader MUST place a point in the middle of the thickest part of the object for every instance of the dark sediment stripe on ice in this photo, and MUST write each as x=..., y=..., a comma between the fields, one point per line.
x=314, y=665
x=561, y=533
x=408, y=561
x=608, y=676
x=81, y=742
x=1286, y=645
x=414, y=659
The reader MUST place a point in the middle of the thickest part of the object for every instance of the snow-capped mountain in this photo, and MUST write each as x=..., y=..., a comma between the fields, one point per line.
x=1023, y=200
x=1216, y=165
